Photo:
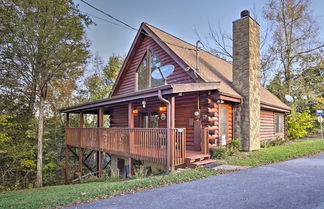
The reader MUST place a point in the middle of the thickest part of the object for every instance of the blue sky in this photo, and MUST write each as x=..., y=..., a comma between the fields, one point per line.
x=176, y=17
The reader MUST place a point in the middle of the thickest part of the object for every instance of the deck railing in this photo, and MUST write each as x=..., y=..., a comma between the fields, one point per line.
x=140, y=143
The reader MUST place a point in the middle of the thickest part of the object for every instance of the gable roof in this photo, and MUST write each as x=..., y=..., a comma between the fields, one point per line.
x=212, y=68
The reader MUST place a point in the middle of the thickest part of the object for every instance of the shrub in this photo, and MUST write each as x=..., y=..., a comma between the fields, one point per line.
x=235, y=145
x=277, y=142
x=220, y=153
x=299, y=124
x=140, y=172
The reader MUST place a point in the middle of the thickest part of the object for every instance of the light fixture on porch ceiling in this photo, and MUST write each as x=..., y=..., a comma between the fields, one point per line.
x=220, y=101
x=144, y=103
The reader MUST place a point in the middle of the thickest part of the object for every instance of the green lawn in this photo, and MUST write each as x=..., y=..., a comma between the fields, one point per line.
x=276, y=154
x=55, y=196
x=52, y=196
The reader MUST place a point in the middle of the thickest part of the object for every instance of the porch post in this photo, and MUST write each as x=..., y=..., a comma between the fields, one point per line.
x=80, y=149
x=67, y=150
x=81, y=120
x=172, y=112
x=172, y=125
x=169, y=160
x=80, y=161
x=131, y=134
x=66, y=164
x=99, y=153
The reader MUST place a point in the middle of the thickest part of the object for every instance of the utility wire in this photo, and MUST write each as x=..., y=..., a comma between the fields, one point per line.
x=128, y=26
x=103, y=19
x=108, y=15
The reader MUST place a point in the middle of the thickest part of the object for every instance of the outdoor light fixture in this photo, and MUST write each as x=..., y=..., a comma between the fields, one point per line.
x=163, y=109
x=220, y=101
x=144, y=103
x=135, y=111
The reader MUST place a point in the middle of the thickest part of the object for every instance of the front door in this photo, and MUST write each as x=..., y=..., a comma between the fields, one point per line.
x=197, y=135
x=149, y=119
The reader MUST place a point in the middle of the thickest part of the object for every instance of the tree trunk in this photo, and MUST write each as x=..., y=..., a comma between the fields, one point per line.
x=39, y=176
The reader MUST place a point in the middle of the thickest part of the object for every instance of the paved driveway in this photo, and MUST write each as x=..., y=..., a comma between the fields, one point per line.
x=292, y=184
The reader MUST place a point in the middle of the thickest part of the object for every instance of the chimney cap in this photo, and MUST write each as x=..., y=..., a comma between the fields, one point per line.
x=245, y=13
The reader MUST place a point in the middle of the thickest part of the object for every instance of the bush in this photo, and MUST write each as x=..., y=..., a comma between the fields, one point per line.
x=220, y=153
x=299, y=124
x=235, y=145
x=277, y=142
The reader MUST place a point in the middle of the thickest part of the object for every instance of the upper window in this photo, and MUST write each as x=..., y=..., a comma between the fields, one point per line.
x=149, y=64
x=279, y=123
x=142, y=74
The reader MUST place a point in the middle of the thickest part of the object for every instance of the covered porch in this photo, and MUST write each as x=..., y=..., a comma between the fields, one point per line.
x=141, y=125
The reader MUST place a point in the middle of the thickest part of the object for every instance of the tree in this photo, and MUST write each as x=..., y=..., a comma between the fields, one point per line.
x=295, y=35
x=100, y=79
x=219, y=43
x=41, y=42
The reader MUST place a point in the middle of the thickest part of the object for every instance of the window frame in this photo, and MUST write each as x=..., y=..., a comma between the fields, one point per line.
x=148, y=57
x=279, y=123
x=225, y=122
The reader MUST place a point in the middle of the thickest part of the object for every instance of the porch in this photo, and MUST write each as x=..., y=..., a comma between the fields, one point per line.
x=149, y=144
x=169, y=126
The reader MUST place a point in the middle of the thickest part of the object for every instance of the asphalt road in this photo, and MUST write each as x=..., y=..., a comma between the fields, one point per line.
x=293, y=184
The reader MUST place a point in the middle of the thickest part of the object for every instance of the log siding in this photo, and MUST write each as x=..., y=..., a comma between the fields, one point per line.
x=267, y=131
x=127, y=82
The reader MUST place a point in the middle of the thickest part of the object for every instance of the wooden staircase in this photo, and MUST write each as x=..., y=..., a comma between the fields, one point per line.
x=195, y=159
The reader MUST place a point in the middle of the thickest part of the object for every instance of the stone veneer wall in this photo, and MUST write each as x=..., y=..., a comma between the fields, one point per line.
x=246, y=80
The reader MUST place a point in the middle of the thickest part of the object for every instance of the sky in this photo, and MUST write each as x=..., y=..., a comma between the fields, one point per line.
x=177, y=17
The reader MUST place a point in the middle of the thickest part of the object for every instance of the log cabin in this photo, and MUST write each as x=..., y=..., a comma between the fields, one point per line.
x=173, y=118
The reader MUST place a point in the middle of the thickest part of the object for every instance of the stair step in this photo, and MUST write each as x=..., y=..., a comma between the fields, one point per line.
x=200, y=163
x=198, y=156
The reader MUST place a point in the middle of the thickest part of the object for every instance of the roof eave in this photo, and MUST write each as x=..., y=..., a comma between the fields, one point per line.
x=166, y=89
x=265, y=105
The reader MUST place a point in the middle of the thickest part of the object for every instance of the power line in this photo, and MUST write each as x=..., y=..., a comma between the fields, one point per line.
x=103, y=19
x=127, y=25
x=108, y=15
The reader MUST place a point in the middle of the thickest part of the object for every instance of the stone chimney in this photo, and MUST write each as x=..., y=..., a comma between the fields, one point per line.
x=246, y=80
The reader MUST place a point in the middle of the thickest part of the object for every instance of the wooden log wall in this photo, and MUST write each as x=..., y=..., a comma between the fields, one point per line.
x=118, y=115
x=127, y=81
x=185, y=106
x=268, y=126
x=213, y=120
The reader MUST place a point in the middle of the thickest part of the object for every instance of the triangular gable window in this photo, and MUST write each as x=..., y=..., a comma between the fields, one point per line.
x=149, y=64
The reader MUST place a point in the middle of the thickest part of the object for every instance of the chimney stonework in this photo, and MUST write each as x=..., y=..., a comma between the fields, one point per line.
x=246, y=81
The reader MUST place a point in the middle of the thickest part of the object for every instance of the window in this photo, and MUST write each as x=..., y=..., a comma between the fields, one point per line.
x=149, y=64
x=149, y=120
x=142, y=75
x=279, y=123
x=155, y=64
x=223, y=122
x=154, y=120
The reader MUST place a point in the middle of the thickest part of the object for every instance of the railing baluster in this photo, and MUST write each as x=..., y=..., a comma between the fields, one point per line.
x=141, y=143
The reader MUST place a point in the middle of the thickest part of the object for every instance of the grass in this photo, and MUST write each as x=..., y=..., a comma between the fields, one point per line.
x=55, y=196
x=58, y=196
x=276, y=154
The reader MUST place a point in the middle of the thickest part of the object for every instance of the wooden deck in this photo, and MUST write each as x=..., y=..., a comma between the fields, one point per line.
x=139, y=143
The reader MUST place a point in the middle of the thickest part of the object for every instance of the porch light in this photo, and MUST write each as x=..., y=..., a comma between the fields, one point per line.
x=163, y=109
x=144, y=103
x=135, y=111
x=220, y=101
